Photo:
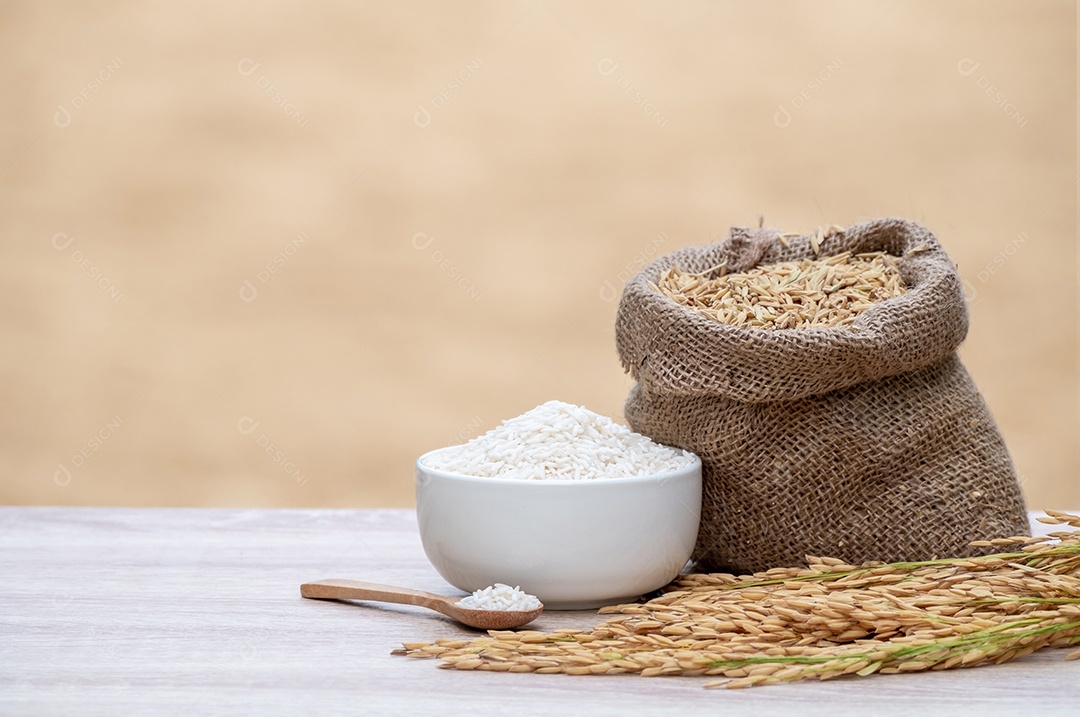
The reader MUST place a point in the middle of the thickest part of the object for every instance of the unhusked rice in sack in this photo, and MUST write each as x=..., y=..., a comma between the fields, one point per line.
x=862, y=442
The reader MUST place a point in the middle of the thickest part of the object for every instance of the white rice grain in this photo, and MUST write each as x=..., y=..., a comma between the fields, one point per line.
x=500, y=597
x=560, y=441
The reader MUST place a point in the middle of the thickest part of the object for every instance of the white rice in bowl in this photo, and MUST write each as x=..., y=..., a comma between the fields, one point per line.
x=560, y=441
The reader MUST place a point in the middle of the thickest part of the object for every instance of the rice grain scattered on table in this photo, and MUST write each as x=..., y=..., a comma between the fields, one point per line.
x=820, y=621
x=810, y=293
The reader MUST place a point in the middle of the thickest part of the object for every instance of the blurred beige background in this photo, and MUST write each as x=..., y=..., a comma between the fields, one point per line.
x=266, y=254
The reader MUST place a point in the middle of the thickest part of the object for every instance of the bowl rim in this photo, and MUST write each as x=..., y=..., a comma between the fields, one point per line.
x=694, y=467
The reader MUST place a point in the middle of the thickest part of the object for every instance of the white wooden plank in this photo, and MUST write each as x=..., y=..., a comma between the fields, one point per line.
x=177, y=611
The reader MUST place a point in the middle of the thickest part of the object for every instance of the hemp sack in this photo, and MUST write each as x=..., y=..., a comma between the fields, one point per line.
x=868, y=442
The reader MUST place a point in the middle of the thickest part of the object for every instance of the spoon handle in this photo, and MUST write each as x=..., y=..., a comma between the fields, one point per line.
x=337, y=589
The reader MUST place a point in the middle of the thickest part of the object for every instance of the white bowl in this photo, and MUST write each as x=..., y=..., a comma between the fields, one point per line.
x=573, y=544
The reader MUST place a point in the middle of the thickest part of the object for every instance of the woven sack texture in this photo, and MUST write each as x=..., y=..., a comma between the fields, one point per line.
x=869, y=442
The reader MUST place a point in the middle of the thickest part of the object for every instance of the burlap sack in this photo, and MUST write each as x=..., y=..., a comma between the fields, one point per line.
x=864, y=443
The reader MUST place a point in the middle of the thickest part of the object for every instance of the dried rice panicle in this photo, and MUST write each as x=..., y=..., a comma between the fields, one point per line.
x=823, y=620
x=810, y=293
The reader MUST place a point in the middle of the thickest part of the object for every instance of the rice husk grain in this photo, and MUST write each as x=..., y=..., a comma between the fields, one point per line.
x=803, y=294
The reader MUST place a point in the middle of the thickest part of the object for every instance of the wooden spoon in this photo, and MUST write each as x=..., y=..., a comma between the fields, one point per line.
x=356, y=590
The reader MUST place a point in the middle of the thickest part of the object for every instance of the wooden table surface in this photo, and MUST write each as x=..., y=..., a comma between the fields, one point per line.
x=198, y=611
